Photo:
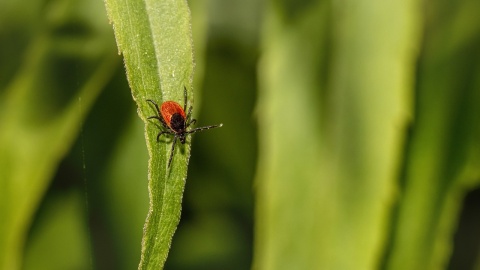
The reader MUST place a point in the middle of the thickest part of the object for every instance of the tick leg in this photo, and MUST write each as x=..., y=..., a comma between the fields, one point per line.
x=184, y=98
x=155, y=104
x=161, y=121
x=155, y=117
x=172, y=151
x=193, y=121
x=161, y=133
x=158, y=114
x=189, y=115
x=203, y=128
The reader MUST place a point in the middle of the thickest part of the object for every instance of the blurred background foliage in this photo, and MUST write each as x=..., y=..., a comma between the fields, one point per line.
x=319, y=131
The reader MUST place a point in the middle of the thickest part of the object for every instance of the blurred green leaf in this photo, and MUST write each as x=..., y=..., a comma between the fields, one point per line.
x=155, y=40
x=442, y=154
x=67, y=62
x=62, y=231
x=125, y=186
x=331, y=130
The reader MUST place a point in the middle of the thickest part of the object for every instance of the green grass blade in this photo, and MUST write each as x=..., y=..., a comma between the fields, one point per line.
x=331, y=130
x=442, y=158
x=63, y=232
x=155, y=40
x=43, y=107
x=122, y=193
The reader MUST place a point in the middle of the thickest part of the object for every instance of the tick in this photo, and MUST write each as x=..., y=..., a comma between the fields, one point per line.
x=175, y=122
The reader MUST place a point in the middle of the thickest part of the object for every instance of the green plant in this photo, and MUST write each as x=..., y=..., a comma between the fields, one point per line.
x=367, y=134
x=156, y=44
x=41, y=110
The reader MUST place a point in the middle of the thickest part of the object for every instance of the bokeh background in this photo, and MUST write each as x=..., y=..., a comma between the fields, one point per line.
x=90, y=209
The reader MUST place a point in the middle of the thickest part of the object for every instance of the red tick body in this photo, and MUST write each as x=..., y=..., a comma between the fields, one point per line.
x=175, y=122
x=172, y=111
x=169, y=109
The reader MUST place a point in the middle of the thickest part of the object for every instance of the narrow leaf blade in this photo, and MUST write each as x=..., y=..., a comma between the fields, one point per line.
x=155, y=40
